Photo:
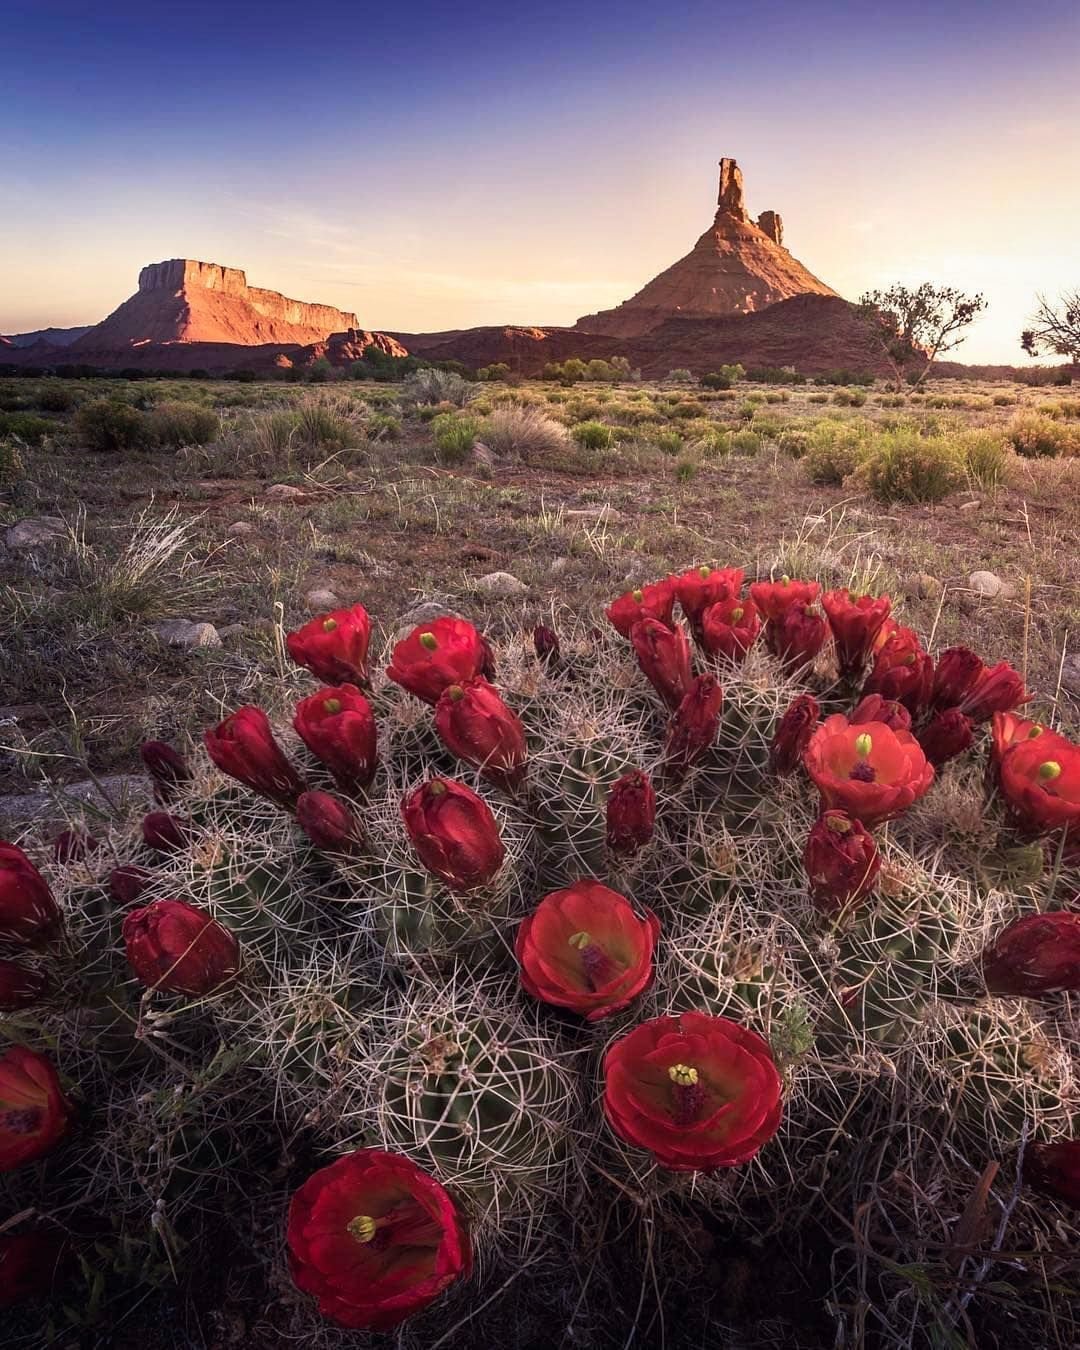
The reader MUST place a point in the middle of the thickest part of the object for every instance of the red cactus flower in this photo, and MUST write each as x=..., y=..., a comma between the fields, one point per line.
x=998, y=689
x=793, y=733
x=165, y=833
x=1007, y=729
x=693, y=725
x=796, y=636
x=475, y=724
x=338, y=727
x=1036, y=955
x=375, y=1239
x=945, y=736
x=33, y=1110
x=902, y=671
x=28, y=912
x=841, y=861
x=773, y=597
x=30, y=1264
x=74, y=845
x=874, y=708
x=1040, y=780
x=546, y=645
x=631, y=814
x=663, y=654
x=855, y=623
x=438, y=654
x=868, y=770
x=180, y=949
x=730, y=628
x=955, y=673
x=329, y=822
x=698, y=1092
x=655, y=601
x=243, y=746
x=128, y=882
x=334, y=646
x=585, y=949
x=454, y=832
x=20, y=987
x=1054, y=1170
x=167, y=768
x=702, y=587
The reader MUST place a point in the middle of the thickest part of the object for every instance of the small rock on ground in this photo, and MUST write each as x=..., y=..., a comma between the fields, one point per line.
x=991, y=586
x=971, y=506
x=499, y=584
x=321, y=598
x=424, y=611
x=115, y=791
x=184, y=633
x=922, y=586
x=285, y=492
x=35, y=532
x=241, y=527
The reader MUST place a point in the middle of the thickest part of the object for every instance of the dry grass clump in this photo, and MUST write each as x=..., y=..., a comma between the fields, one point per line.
x=1035, y=436
x=528, y=433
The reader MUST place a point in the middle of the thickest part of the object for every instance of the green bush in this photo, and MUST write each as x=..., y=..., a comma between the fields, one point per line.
x=669, y=442
x=592, y=435
x=834, y=451
x=723, y=378
x=328, y=424
x=177, y=424
x=26, y=427
x=984, y=454
x=383, y=427
x=111, y=424
x=746, y=443
x=817, y=398
x=902, y=466
x=498, y=370
x=53, y=396
x=1037, y=437
x=454, y=437
x=849, y=398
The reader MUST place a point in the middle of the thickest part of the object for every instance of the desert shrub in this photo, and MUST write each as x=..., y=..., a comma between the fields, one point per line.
x=327, y=423
x=680, y=376
x=383, y=427
x=12, y=468
x=498, y=370
x=176, y=424
x=1037, y=437
x=437, y=386
x=687, y=467
x=833, y=453
x=526, y=432
x=774, y=375
x=568, y=372
x=984, y=454
x=377, y=1007
x=746, y=442
x=53, y=396
x=817, y=398
x=711, y=442
x=724, y=378
x=454, y=437
x=849, y=398
x=29, y=429
x=902, y=466
x=796, y=441
x=845, y=376
x=1004, y=400
x=274, y=434
x=111, y=424
x=592, y=435
x=669, y=442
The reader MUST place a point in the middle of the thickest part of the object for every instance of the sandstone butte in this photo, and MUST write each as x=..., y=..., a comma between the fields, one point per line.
x=736, y=267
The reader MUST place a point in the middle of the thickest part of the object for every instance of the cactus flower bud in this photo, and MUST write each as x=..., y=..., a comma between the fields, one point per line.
x=693, y=725
x=546, y=645
x=772, y=598
x=793, y=733
x=34, y=1112
x=1034, y=956
x=902, y=671
x=179, y=948
x=663, y=653
x=20, y=987
x=631, y=814
x=334, y=647
x=31, y=1264
x=796, y=635
x=702, y=587
x=338, y=727
x=957, y=671
x=73, y=845
x=947, y=735
x=28, y=913
x=1054, y=1170
x=438, y=654
x=454, y=833
x=874, y=708
x=167, y=768
x=855, y=623
x=475, y=724
x=655, y=601
x=165, y=833
x=243, y=746
x=128, y=882
x=841, y=861
x=328, y=822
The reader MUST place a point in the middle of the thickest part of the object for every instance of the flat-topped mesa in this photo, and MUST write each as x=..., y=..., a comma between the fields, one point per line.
x=184, y=300
x=736, y=267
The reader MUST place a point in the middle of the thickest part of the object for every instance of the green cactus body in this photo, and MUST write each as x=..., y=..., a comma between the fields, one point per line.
x=571, y=795
x=414, y=916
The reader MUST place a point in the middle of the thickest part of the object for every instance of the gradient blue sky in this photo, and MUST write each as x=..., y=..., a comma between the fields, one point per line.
x=442, y=165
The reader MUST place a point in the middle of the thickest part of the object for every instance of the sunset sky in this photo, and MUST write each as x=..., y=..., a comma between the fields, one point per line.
x=435, y=165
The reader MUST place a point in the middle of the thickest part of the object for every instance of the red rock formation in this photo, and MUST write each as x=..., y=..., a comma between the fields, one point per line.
x=186, y=301
x=736, y=267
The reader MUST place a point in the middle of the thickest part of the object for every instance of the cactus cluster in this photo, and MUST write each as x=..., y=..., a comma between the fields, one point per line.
x=379, y=1005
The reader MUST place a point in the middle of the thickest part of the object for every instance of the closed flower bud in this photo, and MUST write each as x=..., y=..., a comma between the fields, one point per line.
x=438, y=654
x=338, y=727
x=874, y=708
x=168, y=769
x=1034, y=956
x=999, y=689
x=128, y=882
x=945, y=736
x=631, y=814
x=165, y=833
x=693, y=725
x=663, y=654
x=955, y=674
x=902, y=671
x=454, y=833
x=31, y=1264
x=334, y=647
x=1054, y=1170
x=546, y=645
x=243, y=746
x=328, y=822
x=796, y=635
x=28, y=912
x=73, y=845
x=20, y=987
x=180, y=949
x=841, y=861
x=34, y=1112
x=475, y=724
x=793, y=733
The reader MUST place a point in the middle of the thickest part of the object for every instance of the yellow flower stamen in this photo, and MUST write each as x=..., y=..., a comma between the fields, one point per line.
x=704, y=572
x=429, y=642
x=328, y=625
x=436, y=787
x=863, y=745
x=638, y=596
x=685, y=1075
x=362, y=1228
x=332, y=705
x=579, y=940
x=736, y=614
x=1050, y=770
x=455, y=693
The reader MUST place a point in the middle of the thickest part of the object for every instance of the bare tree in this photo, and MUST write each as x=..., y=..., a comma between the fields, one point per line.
x=914, y=326
x=1055, y=329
